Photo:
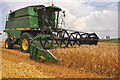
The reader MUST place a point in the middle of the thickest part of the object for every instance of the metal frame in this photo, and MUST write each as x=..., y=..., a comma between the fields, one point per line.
x=65, y=37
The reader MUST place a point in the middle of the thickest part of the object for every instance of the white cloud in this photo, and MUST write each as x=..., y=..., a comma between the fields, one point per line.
x=60, y=0
x=102, y=18
x=102, y=22
x=80, y=16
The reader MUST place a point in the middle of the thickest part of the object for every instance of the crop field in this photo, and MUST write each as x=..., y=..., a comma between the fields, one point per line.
x=85, y=61
x=110, y=41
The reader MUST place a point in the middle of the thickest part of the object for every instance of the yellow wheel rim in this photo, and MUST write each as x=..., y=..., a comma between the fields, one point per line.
x=6, y=44
x=25, y=44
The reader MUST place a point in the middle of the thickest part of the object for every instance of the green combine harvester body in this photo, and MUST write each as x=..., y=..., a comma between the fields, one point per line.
x=24, y=20
x=37, y=28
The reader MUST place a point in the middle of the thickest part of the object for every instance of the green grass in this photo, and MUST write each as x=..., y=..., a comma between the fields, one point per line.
x=110, y=41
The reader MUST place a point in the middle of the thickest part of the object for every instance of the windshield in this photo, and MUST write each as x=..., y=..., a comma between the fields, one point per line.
x=51, y=19
x=48, y=17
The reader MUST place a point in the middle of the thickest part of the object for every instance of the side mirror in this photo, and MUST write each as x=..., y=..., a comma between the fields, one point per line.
x=63, y=13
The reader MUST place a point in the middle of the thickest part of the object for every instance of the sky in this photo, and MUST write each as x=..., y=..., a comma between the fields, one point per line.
x=97, y=16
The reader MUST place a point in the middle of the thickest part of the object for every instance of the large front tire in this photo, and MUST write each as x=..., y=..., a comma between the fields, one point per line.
x=25, y=42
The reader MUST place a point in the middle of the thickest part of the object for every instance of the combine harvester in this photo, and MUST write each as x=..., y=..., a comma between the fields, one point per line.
x=38, y=28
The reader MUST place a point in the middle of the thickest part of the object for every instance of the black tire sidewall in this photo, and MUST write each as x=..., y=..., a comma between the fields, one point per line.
x=10, y=44
x=25, y=36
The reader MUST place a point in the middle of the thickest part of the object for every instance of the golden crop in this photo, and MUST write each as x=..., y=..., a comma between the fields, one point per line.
x=85, y=61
